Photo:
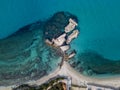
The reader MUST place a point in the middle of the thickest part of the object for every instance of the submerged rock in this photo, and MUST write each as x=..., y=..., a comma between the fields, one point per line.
x=99, y=64
x=20, y=52
x=24, y=55
x=16, y=43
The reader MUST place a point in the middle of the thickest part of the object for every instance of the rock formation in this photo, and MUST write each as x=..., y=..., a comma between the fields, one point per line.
x=54, y=26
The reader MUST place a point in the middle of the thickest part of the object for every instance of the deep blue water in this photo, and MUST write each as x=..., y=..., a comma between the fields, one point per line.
x=98, y=21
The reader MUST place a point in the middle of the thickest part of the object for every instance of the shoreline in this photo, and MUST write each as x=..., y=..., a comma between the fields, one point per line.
x=77, y=78
x=64, y=69
x=67, y=70
x=108, y=81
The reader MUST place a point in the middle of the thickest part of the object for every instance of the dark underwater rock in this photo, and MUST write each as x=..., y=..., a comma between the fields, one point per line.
x=22, y=55
x=16, y=43
x=55, y=25
x=99, y=64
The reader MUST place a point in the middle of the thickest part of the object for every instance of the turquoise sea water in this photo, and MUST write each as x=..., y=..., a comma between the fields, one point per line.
x=98, y=22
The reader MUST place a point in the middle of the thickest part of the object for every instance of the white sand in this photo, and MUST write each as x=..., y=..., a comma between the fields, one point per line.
x=77, y=78
x=5, y=88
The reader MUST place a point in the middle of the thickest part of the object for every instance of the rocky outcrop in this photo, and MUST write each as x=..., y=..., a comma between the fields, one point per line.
x=24, y=55
x=54, y=26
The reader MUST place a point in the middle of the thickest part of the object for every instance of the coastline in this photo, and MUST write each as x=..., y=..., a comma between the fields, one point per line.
x=67, y=70
x=106, y=81
x=77, y=78
x=64, y=69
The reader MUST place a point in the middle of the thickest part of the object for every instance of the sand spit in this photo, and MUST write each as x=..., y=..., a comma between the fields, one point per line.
x=77, y=78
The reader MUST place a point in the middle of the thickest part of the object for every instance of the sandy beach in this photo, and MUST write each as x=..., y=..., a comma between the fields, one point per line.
x=77, y=78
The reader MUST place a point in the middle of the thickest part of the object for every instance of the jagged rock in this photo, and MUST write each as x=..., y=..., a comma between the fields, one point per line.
x=54, y=26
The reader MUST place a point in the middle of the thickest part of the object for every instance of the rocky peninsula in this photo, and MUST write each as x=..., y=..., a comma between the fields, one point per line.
x=48, y=41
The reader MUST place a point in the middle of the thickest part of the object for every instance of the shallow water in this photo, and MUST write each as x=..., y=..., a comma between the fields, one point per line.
x=24, y=56
x=98, y=22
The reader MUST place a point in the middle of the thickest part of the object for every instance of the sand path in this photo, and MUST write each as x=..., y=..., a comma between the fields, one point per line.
x=77, y=78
